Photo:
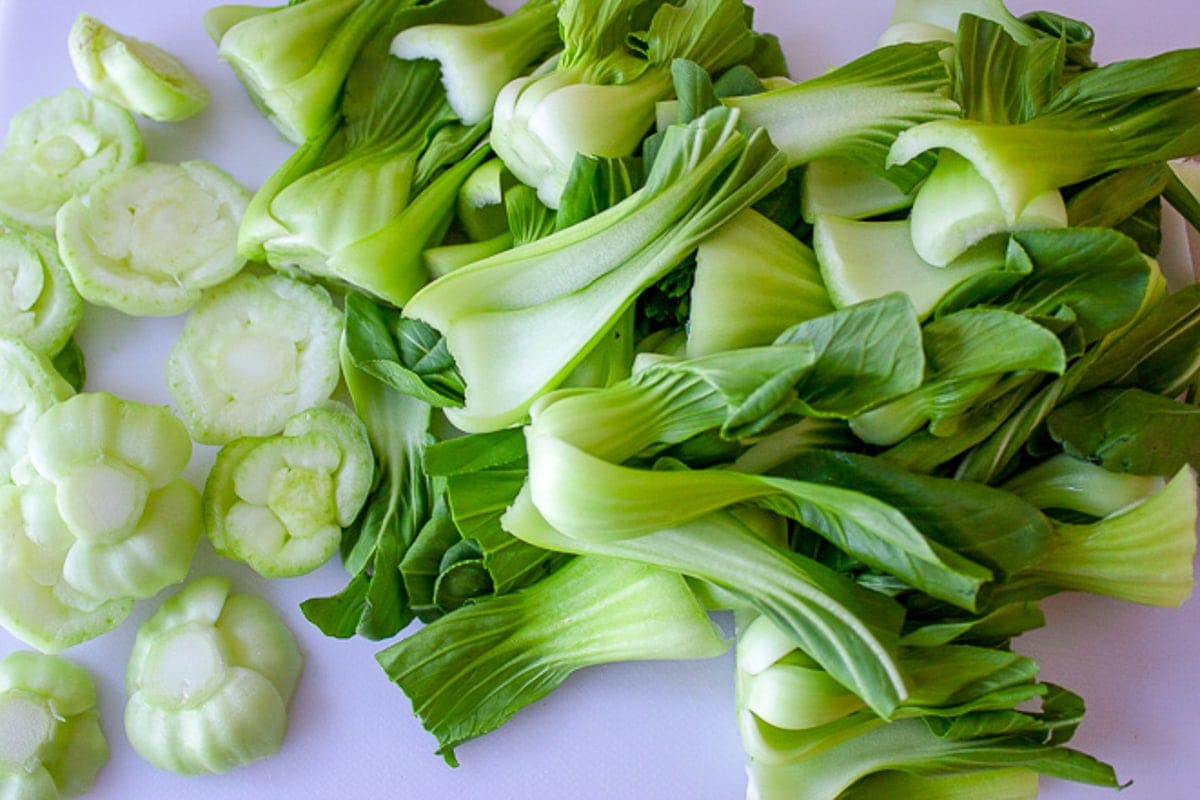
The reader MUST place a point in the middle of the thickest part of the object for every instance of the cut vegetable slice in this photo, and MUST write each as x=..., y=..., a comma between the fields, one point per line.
x=57, y=148
x=97, y=516
x=51, y=744
x=279, y=503
x=148, y=239
x=31, y=385
x=209, y=680
x=38, y=303
x=254, y=352
x=134, y=74
x=864, y=260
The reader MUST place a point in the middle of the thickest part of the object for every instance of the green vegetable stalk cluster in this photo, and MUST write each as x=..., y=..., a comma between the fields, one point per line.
x=629, y=328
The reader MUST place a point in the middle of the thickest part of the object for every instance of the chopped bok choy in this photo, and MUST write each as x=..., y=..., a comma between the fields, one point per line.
x=134, y=74
x=503, y=653
x=97, y=515
x=51, y=743
x=59, y=146
x=31, y=386
x=209, y=680
x=519, y=322
x=597, y=96
x=147, y=240
x=279, y=503
x=39, y=304
x=254, y=351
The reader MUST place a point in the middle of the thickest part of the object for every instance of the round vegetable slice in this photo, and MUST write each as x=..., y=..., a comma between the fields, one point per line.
x=31, y=386
x=279, y=503
x=209, y=680
x=147, y=240
x=51, y=744
x=59, y=146
x=254, y=352
x=135, y=74
x=38, y=303
x=97, y=515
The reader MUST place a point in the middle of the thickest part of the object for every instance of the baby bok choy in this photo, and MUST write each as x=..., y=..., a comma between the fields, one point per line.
x=134, y=74
x=966, y=728
x=598, y=96
x=519, y=322
x=476, y=61
x=471, y=670
x=361, y=198
x=292, y=59
x=1119, y=115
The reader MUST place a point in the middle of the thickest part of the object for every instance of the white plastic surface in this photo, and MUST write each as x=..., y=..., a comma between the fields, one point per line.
x=628, y=732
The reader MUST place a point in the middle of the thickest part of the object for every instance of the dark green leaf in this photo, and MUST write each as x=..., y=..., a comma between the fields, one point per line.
x=403, y=353
x=1129, y=430
x=867, y=354
x=421, y=565
x=474, y=452
x=993, y=527
x=71, y=364
x=1099, y=274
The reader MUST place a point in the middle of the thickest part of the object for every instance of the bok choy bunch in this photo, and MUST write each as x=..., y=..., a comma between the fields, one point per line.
x=639, y=330
x=597, y=96
x=519, y=322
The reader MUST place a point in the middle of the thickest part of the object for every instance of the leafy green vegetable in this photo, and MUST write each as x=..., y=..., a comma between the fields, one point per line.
x=753, y=280
x=503, y=653
x=292, y=59
x=492, y=312
x=598, y=96
x=1064, y=482
x=857, y=110
x=1119, y=115
x=345, y=207
x=1128, y=430
x=980, y=740
x=374, y=603
x=963, y=369
x=1141, y=554
x=476, y=61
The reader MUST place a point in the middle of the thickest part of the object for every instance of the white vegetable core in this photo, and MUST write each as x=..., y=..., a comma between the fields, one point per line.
x=26, y=724
x=258, y=366
x=66, y=150
x=102, y=502
x=186, y=665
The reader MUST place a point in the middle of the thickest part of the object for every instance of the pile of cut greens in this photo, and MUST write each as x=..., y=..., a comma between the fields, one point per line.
x=877, y=360
x=641, y=328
